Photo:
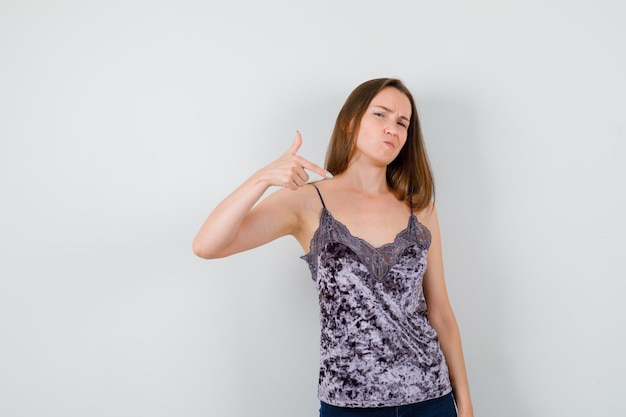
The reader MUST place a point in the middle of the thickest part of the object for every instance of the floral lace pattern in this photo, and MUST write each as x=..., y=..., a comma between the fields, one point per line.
x=377, y=347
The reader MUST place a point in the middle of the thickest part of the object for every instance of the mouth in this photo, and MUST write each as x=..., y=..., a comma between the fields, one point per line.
x=390, y=144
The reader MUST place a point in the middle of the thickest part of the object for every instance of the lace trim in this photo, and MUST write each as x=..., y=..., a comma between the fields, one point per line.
x=378, y=261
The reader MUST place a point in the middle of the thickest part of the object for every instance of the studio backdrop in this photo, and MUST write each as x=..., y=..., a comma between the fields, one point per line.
x=123, y=124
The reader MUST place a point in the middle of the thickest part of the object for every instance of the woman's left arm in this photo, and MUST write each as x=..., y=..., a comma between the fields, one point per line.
x=441, y=316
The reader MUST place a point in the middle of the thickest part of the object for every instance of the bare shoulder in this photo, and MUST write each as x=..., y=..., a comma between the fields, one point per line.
x=295, y=201
x=428, y=217
x=309, y=205
x=302, y=208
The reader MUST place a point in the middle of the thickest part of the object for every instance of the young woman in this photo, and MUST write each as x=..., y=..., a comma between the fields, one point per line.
x=390, y=344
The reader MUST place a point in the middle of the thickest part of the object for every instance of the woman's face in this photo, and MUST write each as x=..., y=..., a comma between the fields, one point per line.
x=384, y=127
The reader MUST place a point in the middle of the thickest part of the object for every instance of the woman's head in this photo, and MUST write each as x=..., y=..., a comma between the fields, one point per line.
x=409, y=174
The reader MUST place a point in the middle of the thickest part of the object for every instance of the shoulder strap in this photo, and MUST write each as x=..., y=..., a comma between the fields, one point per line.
x=320, y=194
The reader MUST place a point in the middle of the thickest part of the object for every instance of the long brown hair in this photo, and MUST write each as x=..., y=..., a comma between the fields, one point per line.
x=409, y=175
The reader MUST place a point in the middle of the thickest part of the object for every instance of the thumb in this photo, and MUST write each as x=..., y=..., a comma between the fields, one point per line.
x=293, y=149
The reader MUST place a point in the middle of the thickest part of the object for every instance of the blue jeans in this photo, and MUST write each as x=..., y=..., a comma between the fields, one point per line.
x=437, y=407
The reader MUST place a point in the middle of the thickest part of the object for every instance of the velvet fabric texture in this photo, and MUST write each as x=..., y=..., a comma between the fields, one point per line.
x=377, y=347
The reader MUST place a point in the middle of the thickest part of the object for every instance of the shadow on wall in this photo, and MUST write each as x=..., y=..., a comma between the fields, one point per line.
x=476, y=279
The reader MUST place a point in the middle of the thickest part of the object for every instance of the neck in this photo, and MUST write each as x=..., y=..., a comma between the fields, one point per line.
x=370, y=180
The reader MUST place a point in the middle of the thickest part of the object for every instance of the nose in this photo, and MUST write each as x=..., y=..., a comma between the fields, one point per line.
x=391, y=129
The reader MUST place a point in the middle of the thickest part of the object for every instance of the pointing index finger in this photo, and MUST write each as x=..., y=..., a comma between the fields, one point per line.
x=315, y=168
x=305, y=163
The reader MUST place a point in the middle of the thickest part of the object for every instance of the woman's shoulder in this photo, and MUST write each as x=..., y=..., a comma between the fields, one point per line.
x=304, y=206
x=304, y=199
x=428, y=217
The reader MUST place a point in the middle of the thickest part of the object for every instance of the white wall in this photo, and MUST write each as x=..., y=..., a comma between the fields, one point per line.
x=122, y=124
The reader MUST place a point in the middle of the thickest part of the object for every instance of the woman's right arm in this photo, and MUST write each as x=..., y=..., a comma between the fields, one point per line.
x=236, y=225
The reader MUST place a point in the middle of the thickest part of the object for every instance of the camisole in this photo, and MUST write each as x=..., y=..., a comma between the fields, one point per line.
x=377, y=347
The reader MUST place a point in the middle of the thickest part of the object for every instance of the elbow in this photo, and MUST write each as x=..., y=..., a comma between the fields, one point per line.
x=203, y=252
x=198, y=251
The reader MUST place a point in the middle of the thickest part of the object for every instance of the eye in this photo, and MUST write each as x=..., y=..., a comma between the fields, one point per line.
x=403, y=124
x=378, y=114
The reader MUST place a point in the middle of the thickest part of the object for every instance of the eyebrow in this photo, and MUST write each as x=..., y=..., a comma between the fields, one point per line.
x=390, y=111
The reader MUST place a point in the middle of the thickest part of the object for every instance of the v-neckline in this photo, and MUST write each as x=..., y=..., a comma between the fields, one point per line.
x=412, y=218
x=377, y=260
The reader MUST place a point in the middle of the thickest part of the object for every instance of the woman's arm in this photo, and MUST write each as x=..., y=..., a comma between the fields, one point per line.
x=235, y=226
x=442, y=318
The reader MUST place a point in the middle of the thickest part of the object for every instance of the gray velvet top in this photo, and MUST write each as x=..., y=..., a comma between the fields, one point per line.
x=377, y=347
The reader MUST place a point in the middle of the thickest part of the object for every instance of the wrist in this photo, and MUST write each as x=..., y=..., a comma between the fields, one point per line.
x=260, y=179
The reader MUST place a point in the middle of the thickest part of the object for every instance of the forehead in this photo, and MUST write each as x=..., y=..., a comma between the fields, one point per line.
x=393, y=99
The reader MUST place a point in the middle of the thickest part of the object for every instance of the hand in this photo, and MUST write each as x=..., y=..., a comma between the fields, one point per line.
x=289, y=170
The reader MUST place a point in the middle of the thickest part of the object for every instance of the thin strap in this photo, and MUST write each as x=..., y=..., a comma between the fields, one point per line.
x=318, y=193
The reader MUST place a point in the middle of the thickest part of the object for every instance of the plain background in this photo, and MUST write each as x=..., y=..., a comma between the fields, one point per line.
x=123, y=123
